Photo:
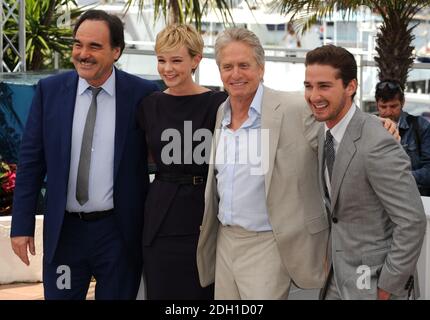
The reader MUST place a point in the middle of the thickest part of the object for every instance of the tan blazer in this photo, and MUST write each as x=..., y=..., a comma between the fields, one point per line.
x=294, y=203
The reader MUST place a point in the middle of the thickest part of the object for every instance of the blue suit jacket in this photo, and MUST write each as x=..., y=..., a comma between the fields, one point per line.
x=45, y=150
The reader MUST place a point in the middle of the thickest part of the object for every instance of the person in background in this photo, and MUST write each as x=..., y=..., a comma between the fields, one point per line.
x=414, y=130
x=175, y=202
x=291, y=40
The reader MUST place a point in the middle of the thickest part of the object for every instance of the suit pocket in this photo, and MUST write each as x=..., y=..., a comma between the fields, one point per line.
x=286, y=159
x=317, y=225
x=374, y=262
x=375, y=259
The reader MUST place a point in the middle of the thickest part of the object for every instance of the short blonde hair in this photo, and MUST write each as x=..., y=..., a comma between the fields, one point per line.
x=177, y=35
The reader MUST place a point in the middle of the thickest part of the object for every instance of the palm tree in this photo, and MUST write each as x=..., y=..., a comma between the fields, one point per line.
x=394, y=37
x=186, y=11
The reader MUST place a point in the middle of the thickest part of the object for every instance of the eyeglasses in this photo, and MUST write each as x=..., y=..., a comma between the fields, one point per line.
x=391, y=86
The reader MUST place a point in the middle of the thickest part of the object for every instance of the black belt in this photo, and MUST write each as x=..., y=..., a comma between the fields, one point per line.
x=180, y=178
x=91, y=216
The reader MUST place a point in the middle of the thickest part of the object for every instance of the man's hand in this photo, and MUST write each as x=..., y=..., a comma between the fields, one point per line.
x=391, y=127
x=383, y=295
x=20, y=245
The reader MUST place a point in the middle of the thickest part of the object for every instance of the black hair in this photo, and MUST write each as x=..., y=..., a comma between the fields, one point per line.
x=389, y=89
x=336, y=57
x=116, y=28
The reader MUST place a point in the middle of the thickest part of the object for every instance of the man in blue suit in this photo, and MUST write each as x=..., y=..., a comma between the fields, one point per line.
x=82, y=134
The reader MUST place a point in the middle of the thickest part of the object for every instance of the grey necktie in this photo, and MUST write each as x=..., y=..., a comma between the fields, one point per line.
x=329, y=152
x=86, y=150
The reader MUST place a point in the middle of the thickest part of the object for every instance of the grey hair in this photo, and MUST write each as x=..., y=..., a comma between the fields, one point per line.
x=239, y=35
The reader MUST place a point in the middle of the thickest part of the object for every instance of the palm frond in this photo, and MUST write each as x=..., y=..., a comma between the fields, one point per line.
x=394, y=38
x=185, y=11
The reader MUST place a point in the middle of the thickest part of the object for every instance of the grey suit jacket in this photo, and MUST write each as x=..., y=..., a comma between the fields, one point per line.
x=378, y=209
x=294, y=203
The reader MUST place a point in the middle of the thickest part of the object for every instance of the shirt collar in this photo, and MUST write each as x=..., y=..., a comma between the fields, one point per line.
x=254, y=107
x=108, y=86
x=339, y=129
x=258, y=99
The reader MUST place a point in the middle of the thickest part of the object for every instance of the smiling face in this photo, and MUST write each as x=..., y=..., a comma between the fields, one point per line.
x=175, y=68
x=240, y=72
x=326, y=94
x=92, y=53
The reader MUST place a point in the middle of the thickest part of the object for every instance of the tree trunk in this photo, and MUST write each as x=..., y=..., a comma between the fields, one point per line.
x=394, y=47
x=174, y=12
x=394, y=50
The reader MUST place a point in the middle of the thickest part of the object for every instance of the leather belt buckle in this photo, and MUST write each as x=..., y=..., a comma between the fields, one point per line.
x=198, y=180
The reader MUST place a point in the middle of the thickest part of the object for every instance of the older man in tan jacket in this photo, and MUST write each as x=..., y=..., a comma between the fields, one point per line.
x=261, y=231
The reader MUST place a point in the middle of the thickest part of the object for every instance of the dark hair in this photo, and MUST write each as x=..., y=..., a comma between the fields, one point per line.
x=116, y=28
x=336, y=57
x=389, y=89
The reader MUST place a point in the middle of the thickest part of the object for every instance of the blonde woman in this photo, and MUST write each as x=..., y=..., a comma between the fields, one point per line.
x=184, y=113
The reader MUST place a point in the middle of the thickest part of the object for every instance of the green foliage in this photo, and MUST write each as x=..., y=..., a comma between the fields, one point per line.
x=394, y=37
x=48, y=30
x=186, y=11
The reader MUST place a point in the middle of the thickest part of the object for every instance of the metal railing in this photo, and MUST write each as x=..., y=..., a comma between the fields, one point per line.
x=296, y=56
x=12, y=10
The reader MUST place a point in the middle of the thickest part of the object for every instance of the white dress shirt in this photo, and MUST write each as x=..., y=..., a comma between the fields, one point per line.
x=241, y=191
x=100, y=189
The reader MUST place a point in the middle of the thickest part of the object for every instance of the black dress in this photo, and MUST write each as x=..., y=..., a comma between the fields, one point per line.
x=173, y=211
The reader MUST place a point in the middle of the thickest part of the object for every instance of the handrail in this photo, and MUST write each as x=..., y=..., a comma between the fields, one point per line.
x=361, y=57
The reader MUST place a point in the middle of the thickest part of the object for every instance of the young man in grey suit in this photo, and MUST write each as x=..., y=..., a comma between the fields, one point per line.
x=377, y=217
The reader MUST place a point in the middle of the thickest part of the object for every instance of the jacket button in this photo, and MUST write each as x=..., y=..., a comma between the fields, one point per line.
x=334, y=219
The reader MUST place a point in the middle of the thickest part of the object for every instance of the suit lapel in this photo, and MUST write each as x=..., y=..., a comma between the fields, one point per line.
x=345, y=154
x=123, y=109
x=66, y=112
x=271, y=120
x=217, y=132
x=211, y=188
